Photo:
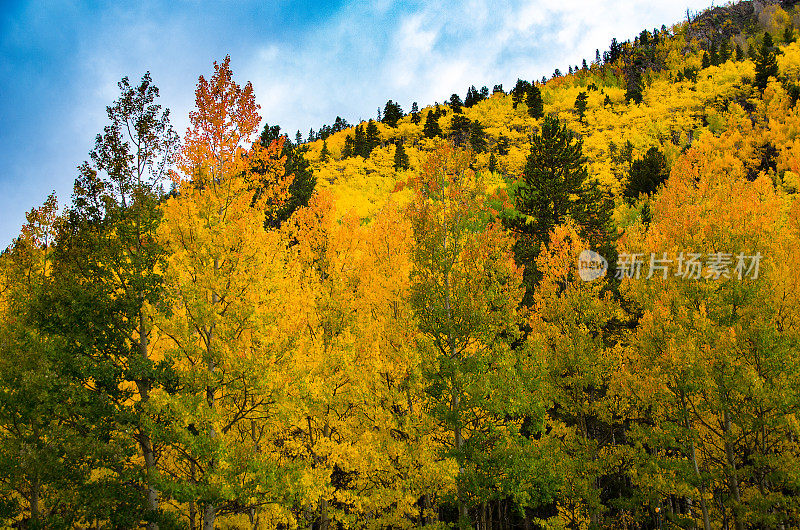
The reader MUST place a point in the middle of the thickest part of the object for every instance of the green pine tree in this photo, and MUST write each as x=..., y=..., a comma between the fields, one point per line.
x=304, y=182
x=431, y=128
x=460, y=129
x=324, y=154
x=392, y=113
x=533, y=98
x=519, y=92
x=634, y=87
x=646, y=174
x=551, y=189
x=372, y=138
x=724, y=51
x=455, y=104
x=766, y=62
x=580, y=105
x=360, y=147
x=477, y=137
x=349, y=147
x=788, y=34
x=706, y=61
x=400, y=157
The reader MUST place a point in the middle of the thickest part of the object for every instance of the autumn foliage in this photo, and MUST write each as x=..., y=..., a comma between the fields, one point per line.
x=416, y=344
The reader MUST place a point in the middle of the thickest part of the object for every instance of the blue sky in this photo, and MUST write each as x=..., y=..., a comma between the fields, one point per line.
x=309, y=61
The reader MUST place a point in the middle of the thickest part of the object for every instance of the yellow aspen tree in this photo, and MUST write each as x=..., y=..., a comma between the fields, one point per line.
x=359, y=424
x=224, y=273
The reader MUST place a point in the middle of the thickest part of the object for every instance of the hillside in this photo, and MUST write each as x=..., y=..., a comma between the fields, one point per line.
x=681, y=101
x=571, y=303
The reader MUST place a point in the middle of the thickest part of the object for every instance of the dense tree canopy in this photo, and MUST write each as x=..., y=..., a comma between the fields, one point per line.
x=574, y=305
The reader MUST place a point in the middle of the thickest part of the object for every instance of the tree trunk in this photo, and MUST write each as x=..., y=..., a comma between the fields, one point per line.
x=143, y=437
x=732, y=475
x=253, y=515
x=703, y=505
x=35, y=487
x=192, y=505
x=455, y=404
x=209, y=510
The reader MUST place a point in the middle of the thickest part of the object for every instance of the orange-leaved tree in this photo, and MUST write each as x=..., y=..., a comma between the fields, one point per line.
x=711, y=361
x=225, y=279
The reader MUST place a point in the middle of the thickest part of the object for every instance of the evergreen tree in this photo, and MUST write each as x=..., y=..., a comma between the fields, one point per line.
x=788, y=34
x=534, y=101
x=584, y=66
x=706, y=61
x=519, y=92
x=298, y=138
x=324, y=154
x=766, y=62
x=752, y=52
x=372, y=137
x=304, y=181
x=392, y=113
x=614, y=52
x=460, y=130
x=472, y=97
x=431, y=128
x=414, y=107
x=340, y=124
x=455, y=103
x=349, y=147
x=550, y=190
x=492, y=163
x=400, y=157
x=484, y=94
x=724, y=51
x=311, y=136
x=794, y=94
x=360, y=147
x=580, y=105
x=477, y=137
x=503, y=145
x=646, y=174
x=713, y=56
x=634, y=84
x=498, y=89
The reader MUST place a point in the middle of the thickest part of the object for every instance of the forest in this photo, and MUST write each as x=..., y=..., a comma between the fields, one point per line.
x=572, y=304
